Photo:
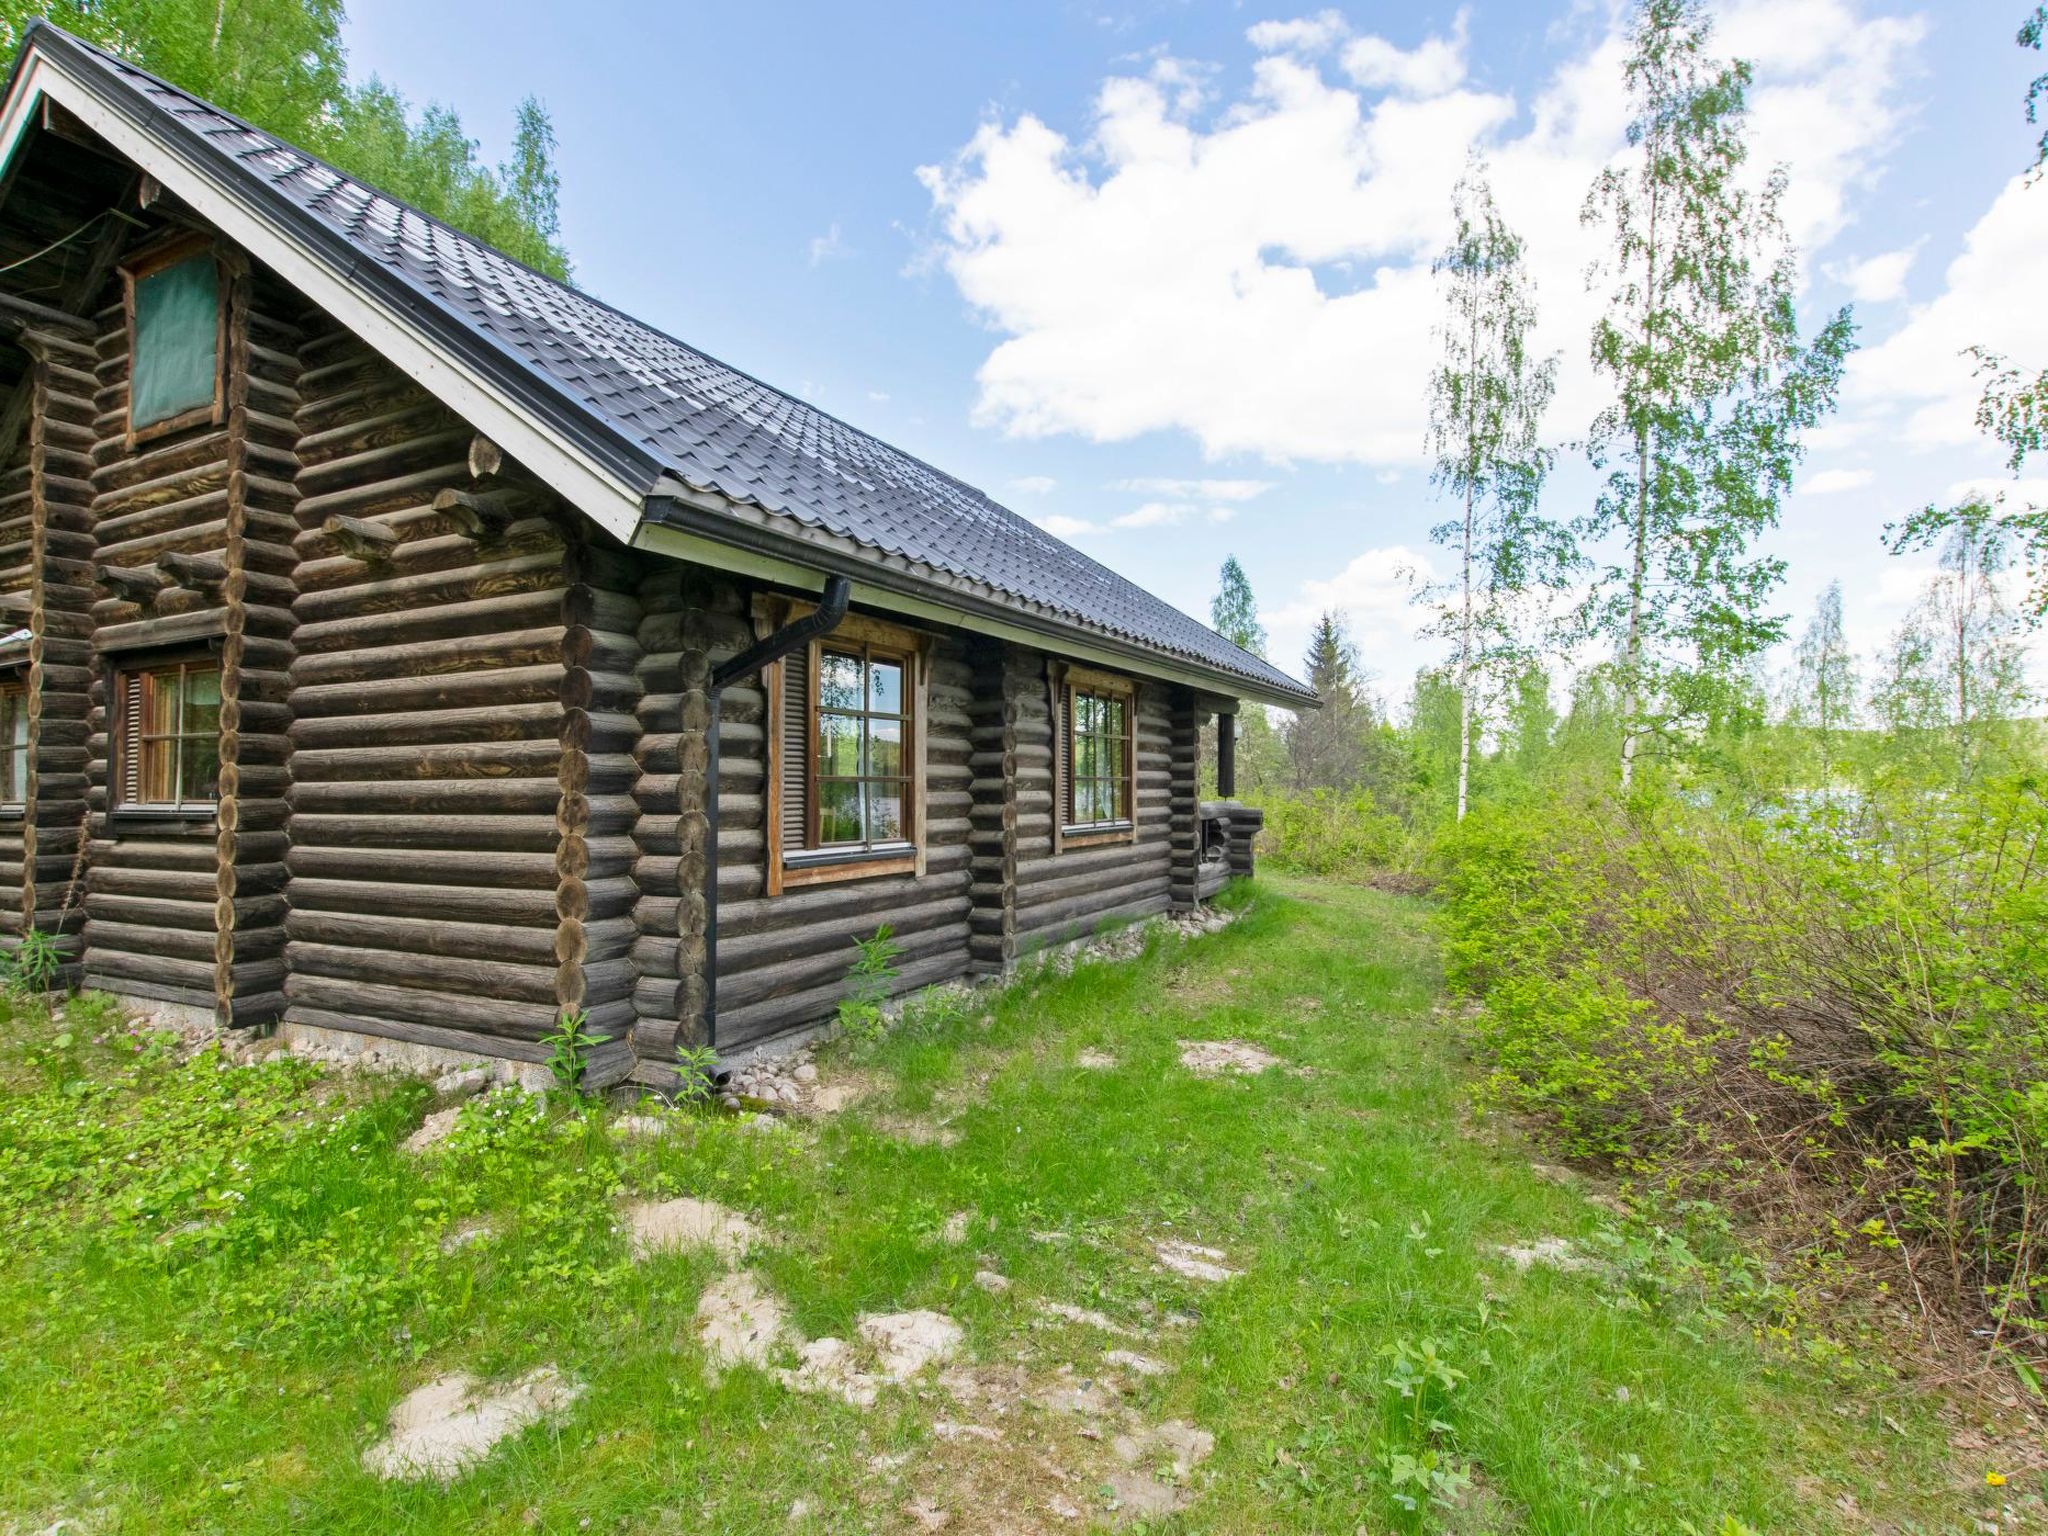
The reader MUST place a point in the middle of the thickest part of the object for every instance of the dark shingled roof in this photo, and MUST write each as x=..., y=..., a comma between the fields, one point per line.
x=668, y=408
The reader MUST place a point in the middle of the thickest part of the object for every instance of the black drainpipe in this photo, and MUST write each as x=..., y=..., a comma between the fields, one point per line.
x=825, y=618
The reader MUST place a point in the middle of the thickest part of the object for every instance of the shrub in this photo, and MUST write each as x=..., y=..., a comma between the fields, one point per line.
x=1837, y=1013
x=1327, y=832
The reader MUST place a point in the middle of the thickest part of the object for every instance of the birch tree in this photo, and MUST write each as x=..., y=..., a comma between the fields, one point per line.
x=1821, y=699
x=1712, y=385
x=1487, y=399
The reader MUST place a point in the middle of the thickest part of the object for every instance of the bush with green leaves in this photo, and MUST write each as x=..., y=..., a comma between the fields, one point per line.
x=1837, y=1013
x=872, y=978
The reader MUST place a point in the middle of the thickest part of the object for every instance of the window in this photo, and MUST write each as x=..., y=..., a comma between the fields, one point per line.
x=176, y=322
x=1095, y=756
x=13, y=744
x=845, y=753
x=168, y=728
x=860, y=770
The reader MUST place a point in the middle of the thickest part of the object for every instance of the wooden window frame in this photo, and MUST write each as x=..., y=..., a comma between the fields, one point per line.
x=123, y=756
x=1068, y=682
x=791, y=868
x=13, y=797
x=145, y=264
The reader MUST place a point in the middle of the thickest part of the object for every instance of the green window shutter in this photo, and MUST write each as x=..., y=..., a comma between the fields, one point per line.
x=174, y=366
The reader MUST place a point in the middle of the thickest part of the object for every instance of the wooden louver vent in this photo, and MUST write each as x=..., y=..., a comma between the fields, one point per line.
x=131, y=737
x=795, y=726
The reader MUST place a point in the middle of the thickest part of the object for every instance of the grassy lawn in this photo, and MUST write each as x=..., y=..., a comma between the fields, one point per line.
x=218, y=1281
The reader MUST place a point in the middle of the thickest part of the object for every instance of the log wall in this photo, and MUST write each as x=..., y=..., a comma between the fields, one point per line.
x=1069, y=894
x=782, y=960
x=46, y=589
x=463, y=751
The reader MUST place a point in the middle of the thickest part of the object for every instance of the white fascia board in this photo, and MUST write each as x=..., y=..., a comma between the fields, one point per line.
x=698, y=550
x=612, y=503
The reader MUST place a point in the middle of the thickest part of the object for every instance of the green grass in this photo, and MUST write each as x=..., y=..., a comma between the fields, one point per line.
x=215, y=1282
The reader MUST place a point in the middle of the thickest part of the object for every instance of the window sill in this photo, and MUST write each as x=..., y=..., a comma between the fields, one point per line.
x=1097, y=834
x=825, y=867
x=190, y=821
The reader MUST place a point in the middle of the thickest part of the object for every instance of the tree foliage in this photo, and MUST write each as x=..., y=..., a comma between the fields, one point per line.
x=1487, y=399
x=1234, y=612
x=280, y=64
x=1328, y=746
x=1712, y=385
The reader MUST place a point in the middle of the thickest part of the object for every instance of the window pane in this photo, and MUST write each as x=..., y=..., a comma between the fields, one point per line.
x=1084, y=757
x=177, y=337
x=198, y=767
x=1113, y=717
x=838, y=681
x=157, y=762
x=838, y=811
x=839, y=745
x=885, y=688
x=885, y=748
x=1113, y=805
x=885, y=812
x=201, y=713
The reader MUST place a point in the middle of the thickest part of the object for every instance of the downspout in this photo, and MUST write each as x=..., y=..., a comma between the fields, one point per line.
x=821, y=620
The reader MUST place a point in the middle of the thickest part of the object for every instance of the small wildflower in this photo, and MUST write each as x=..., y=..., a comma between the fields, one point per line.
x=1995, y=1479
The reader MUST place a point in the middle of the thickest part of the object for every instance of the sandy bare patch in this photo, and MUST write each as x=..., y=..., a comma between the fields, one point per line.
x=1196, y=1262
x=1157, y=1464
x=464, y=1234
x=446, y=1427
x=957, y=1226
x=641, y=1125
x=433, y=1130
x=739, y=1323
x=906, y=1342
x=917, y=1131
x=1067, y=1312
x=1095, y=1061
x=902, y=1344
x=672, y=1226
x=1549, y=1253
x=1214, y=1058
x=991, y=1282
x=1137, y=1364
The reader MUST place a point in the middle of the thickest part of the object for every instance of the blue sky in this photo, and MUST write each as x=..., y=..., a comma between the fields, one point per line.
x=1156, y=275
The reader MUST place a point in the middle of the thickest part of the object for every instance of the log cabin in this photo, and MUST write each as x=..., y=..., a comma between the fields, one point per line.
x=402, y=646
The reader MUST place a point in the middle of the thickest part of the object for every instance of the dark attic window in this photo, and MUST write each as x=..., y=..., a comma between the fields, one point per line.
x=176, y=335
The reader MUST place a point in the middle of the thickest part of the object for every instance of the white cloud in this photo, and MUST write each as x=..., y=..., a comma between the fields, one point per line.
x=1432, y=68
x=830, y=246
x=879, y=396
x=1257, y=274
x=2001, y=491
x=1153, y=514
x=1832, y=482
x=1034, y=485
x=1876, y=279
x=1167, y=514
x=1305, y=34
x=1918, y=377
x=1193, y=490
x=1374, y=595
